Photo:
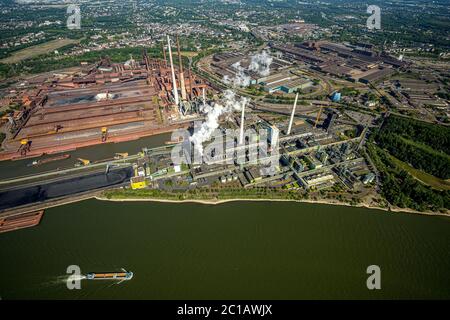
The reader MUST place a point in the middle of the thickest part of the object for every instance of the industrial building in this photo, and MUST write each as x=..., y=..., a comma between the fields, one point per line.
x=223, y=64
x=108, y=102
x=287, y=85
x=336, y=96
x=309, y=159
x=329, y=121
x=353, y=63
x=319, y=181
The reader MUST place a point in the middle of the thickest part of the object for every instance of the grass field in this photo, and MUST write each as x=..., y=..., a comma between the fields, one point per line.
x=428, y=179
x=189, y=53
x=38, y=50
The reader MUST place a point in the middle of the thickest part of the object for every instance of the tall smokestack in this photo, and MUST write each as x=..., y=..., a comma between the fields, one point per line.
x=190, y=82
x=174, y=80
x=241, y=135
x=204, y=97
x=292, y=115
x=182, y=85
x=165, y=57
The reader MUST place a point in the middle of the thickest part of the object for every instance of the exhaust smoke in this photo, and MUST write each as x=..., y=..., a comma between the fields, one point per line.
x=260, y=63
x=227, y=105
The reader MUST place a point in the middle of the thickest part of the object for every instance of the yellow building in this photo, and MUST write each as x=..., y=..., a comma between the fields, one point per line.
x=138, y=183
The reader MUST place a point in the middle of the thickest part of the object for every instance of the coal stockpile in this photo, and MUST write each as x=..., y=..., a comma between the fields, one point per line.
x=28, y=195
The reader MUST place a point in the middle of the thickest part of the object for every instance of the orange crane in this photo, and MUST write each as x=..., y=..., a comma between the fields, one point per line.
x=318, y=117
x=118, y=155
x=104, y=134
x=82, y=162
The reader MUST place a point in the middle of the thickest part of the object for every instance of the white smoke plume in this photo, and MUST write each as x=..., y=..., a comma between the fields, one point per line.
x=260, y=63
x=228, y=104
x=240, y=79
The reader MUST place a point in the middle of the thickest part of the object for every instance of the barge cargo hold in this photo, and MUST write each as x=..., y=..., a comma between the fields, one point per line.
x=66, y=186
x=48, y=160
x=22, y=221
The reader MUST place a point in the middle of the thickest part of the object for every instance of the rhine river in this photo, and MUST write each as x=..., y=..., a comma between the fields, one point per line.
x=240, y=250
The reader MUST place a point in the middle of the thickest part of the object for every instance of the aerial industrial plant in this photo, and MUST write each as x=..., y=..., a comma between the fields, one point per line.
x=108, y=102
x=224, y=149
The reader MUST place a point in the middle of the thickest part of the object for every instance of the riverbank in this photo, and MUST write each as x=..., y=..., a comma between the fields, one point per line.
x=102, y=197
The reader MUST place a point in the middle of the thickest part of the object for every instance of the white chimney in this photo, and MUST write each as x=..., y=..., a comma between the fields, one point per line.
x=241, y=135
x=174, y=80
x=181, y=72
x=204, y=97
x=292, y=115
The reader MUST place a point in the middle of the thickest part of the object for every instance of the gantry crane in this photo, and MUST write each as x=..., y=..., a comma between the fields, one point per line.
x=25, y=146
x=104, y=134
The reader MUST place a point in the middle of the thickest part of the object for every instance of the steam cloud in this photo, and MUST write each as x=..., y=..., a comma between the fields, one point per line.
x=227, y=105
x=260, y=63
x=241, y=79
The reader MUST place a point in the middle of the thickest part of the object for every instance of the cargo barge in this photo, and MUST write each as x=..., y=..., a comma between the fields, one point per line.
x=48, y=160
x=172, y=142
x=22, y=221
x=126, y=275
x=55, y=189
